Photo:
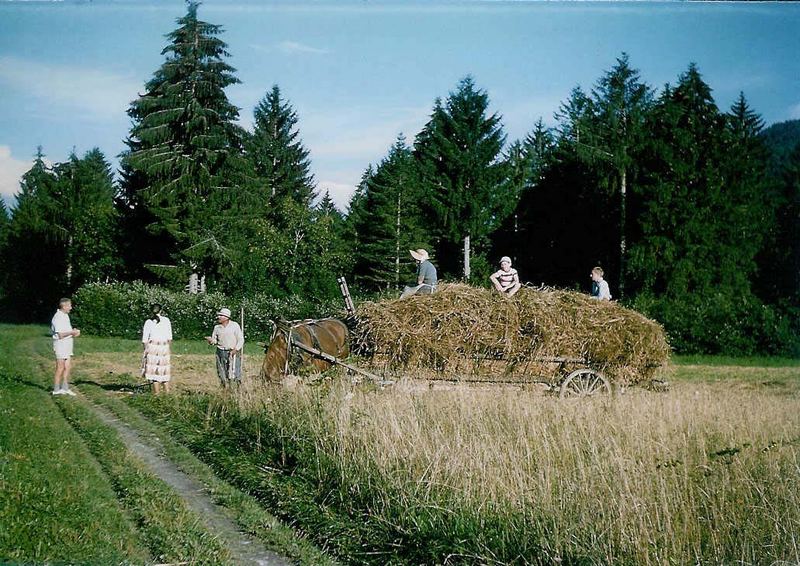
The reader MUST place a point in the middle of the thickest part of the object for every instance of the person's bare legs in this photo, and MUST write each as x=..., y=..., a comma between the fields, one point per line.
x=166, y=387
x=156, y=387
x=59, y=375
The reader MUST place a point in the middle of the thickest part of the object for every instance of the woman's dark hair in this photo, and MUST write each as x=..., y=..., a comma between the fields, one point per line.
x=155, y=310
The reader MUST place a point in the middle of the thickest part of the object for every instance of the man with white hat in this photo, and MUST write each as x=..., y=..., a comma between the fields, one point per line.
x=229, y=340
x=426, y=275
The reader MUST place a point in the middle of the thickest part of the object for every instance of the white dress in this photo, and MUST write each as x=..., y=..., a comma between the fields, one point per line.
x=156, y=335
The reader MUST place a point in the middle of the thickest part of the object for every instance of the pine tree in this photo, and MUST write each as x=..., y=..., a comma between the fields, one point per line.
x=280, y=161
x=787, y=238
x=391, y=221
x=331, y=255
x=461, y=162
x=538, y=148
x=614, y=134
x=36, y=257
x=82, y=210
x=185, y=143
x=699, y=219
x=5, y=222
x=751, y=196
x=527, y=164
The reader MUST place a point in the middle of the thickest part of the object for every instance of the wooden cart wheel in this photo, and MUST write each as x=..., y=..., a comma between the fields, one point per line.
x=585, y=383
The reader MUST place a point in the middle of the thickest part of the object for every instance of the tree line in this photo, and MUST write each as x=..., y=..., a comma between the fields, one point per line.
x=685, y=206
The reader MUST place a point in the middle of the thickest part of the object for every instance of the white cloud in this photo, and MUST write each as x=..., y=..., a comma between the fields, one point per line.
x=292, y=47
x=794, y=112
x=11, y=171
x=95, y=93
x=364, y=134
x=340, y=192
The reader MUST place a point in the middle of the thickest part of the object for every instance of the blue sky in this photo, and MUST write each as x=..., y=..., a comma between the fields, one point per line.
x=359, y=73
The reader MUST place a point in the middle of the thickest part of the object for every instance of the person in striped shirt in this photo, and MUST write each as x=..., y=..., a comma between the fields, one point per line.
x=506, y=279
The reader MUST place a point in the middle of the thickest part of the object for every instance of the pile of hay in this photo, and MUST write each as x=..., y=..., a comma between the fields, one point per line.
x=464, y=331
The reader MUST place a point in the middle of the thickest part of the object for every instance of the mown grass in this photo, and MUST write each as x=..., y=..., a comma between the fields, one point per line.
x=171, y=531
x=56, y=504
x=246, y=511
x=708, y=473
x=71, y=492
x=157, y=520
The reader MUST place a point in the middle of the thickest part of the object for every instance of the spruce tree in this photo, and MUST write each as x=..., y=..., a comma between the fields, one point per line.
x=460, y=154
x=613, y=137
x=279, y=159
x=81, y=208
x=391, y=222
x=184, y=143
x=35, y=255
x=5, y=221
x=695, y=254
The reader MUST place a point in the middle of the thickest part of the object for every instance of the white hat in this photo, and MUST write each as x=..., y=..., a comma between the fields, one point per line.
x=505, y=258
x=419, y=255
x=226, y=312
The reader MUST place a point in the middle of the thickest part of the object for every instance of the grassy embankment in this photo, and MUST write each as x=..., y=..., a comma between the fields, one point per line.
x=709, y=472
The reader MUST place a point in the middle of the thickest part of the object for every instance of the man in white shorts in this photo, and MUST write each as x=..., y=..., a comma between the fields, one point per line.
x=63, y=336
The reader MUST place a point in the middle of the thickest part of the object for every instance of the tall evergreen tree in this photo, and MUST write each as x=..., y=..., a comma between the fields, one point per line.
x=280, y=161
x=35, y=256
x=695, y=255
x=787, y=238
x=391, y=222
x=184, y=142
x=751, y=195
x=464, y=172
x=614, y=134
x=5, y=222
x=82, y=211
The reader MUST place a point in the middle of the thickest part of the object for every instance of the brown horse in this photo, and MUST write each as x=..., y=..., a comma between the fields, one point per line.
x=328, y=335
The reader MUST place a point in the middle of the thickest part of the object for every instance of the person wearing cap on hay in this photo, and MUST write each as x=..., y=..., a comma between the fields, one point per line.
x=228, y=338
x=600, y=288
x=506, y=279
x=426, y=275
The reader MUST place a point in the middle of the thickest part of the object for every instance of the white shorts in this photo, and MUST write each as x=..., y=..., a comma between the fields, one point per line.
x=63, y=349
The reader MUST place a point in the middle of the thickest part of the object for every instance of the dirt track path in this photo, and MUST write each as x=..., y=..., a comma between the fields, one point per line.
x=244, y=548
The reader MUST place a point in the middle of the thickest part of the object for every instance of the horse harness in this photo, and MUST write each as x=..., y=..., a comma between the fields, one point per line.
x=292, y=336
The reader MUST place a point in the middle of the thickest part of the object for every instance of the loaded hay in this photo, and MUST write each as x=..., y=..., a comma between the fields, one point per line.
x=471, y=333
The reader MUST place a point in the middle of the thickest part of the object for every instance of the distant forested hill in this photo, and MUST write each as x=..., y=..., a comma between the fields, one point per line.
x=782, y=138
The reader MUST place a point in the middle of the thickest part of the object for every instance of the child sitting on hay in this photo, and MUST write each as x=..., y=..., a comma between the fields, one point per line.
x=506, y=279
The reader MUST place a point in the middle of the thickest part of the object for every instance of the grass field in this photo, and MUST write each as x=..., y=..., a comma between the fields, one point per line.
x=72, y=493
x=708, y=472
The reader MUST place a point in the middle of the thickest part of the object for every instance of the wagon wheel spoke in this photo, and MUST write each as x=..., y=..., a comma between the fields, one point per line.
x=584, y=383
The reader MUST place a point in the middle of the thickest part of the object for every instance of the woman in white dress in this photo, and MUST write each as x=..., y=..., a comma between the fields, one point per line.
x=156, y=339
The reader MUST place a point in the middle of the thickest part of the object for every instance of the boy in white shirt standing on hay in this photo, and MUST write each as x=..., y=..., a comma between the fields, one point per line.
x=63, y=337
x=506, y=279
x=600, y=288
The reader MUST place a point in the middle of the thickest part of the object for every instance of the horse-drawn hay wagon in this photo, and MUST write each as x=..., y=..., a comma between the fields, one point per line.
x=574, y=345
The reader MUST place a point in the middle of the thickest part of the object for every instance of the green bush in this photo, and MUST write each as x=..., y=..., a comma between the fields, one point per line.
x=119, y=309
x=723, y=323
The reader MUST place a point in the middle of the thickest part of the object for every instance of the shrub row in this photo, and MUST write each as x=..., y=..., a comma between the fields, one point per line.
x=725, y=324
x=119, y=309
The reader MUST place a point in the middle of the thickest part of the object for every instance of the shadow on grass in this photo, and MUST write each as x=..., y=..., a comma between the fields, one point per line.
x=118, y=387
x=23, y=380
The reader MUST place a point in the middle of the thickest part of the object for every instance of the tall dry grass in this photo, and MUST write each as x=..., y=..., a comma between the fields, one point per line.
x=707, y=473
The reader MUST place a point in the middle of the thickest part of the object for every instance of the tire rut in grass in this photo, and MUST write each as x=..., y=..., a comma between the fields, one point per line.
x=244, y=549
